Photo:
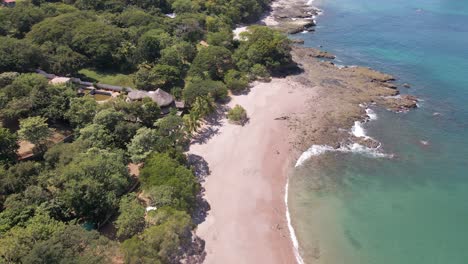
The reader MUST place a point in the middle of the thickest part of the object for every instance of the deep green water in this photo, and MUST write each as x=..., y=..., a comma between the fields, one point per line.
x=413, y=208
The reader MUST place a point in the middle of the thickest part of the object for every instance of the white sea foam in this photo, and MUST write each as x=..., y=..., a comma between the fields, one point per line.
x=315, y=150
x=358, y=131
x=292, y=233
x=371, y=114
x=356, y=148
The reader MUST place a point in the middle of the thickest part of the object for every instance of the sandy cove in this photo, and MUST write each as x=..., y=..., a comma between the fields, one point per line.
x=245, y=189
x=249, y=165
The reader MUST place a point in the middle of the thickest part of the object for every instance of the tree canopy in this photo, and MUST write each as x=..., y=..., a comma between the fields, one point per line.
x=162, y=170
x=107, y=160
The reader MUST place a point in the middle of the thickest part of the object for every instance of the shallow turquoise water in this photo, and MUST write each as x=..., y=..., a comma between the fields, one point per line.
x=413, y=208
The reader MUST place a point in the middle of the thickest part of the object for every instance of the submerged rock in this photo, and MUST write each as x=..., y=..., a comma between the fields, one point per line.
x=297, y=41
x=401, y=103
x=314, y=53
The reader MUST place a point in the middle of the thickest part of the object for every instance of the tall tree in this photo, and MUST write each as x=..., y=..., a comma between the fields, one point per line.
x=82, y=111
x=211, y=62
x=8, y=146
x=132, y=217
x=142, y=144
x=34, y=129
x=162, y=170
x=18, y=55
x=262, y=45
x=92, y=183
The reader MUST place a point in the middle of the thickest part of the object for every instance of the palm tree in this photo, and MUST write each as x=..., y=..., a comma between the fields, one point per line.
x=202, y=106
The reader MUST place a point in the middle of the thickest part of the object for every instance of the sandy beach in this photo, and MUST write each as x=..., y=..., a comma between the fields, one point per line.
x=248, y=165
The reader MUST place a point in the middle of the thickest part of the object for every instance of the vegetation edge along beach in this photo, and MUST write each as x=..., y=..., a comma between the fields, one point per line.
x=115, y=144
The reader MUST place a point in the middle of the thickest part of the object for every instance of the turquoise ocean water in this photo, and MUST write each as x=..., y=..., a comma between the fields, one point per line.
x=413, y=208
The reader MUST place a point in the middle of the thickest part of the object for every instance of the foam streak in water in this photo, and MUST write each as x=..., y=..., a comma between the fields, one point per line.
x=371, y=114
x=292, y=233
x=317, y=150
x=358, y=131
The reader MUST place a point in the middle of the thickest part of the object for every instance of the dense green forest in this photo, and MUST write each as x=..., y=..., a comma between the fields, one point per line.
x=79, y=198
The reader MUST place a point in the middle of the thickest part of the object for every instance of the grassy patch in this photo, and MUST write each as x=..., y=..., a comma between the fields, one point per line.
x=107, y=77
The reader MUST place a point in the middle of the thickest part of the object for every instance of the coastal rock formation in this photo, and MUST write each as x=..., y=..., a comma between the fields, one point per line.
x=292, y=16
x=401, y=103
x=342, y=94
x=316, y=53
x=297, y=41
x=366, y=142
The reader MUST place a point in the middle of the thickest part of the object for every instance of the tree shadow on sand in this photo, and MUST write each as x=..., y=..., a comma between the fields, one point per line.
x=211, y=126
x=201, y=171
x=194, y=252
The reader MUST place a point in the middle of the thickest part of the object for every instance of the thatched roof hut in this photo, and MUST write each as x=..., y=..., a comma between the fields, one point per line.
x=137, y=95
x=159, y=96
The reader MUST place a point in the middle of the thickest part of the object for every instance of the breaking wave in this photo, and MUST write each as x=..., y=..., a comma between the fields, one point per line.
x=358, y=131
x=317, y=150
x=292, y=233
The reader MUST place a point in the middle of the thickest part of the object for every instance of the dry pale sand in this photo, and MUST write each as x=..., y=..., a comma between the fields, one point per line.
x=245, y=189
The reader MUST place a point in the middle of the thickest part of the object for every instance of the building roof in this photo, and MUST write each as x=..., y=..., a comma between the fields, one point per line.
x=59, y=80
x=136, y=95
x=159, y=96
x=180, y=104
x=114, y=88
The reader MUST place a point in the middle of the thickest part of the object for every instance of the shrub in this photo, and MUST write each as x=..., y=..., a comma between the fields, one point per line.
x=237, y=115
x=236, y=81
x=259, y=72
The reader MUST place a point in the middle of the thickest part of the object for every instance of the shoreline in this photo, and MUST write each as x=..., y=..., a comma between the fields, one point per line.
x=292, y=231
x=319, y=105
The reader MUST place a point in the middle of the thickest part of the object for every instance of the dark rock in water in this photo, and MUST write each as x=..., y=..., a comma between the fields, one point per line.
x=406, y=85
x=316, y=53
x=298, y=26
x=366, y=142
x=325, y=55
x=297, y=41
x=295, y=30
x=402, y=103
x=389, y=85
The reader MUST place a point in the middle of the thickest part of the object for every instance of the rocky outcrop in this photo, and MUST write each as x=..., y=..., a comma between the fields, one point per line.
x=292, y=16
x=401, y=103
x=316, y=53
x=297, y=41
x=342, y=94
